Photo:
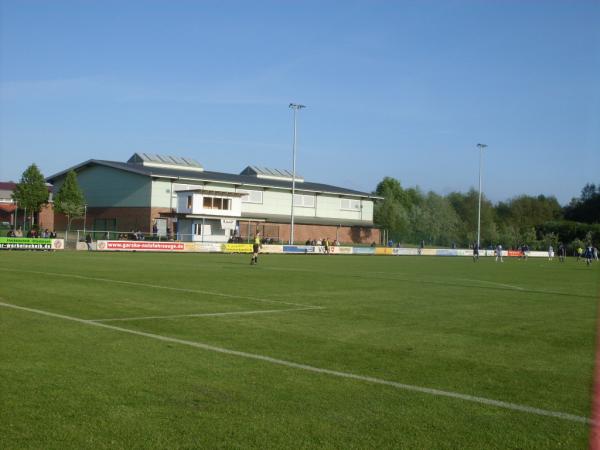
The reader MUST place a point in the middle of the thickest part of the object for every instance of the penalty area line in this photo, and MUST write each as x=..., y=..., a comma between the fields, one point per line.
x=308, y=368
x=230, y=313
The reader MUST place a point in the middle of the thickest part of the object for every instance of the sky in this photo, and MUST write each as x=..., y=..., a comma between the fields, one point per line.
x=392, y=88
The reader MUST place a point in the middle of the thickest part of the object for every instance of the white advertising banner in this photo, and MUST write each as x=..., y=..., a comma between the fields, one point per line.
x=228, y=224
x=140, y=246
x=204, y=247
x=340, y=250
x=405, y=251
x=269, y=248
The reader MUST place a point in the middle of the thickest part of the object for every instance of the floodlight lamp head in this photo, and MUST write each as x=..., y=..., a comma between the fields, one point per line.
x=296, y=106
x=482, y=145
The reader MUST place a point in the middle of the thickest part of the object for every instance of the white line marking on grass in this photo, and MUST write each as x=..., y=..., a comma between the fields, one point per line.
x=512, y=286
x=157, y=286
x=176, y=316
x=335, y=373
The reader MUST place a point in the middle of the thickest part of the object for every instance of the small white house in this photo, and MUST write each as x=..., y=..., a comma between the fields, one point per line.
x=207, y=216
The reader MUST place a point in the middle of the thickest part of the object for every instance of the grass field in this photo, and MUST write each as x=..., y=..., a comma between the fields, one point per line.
x=205, y=351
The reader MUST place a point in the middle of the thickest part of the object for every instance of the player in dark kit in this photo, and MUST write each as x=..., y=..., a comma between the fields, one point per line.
x=562, y=252
x=475, y=252
x=255, y=249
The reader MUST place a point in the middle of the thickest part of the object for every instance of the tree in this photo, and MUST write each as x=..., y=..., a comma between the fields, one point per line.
x=70, y=200
x=585, y=208
x=31, y=192
x=466, y=206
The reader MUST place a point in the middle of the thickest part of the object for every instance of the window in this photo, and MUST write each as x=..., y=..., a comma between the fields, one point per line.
x=307, y=201
x=105, y=224
x=189, y=202
x=198, y=229
x=251, y=196
x=353, y=205
x=223, y=204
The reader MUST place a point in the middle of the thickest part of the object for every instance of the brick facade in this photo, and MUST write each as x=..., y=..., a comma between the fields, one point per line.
x=46, y=217
x=130, y=218
x=305, y=232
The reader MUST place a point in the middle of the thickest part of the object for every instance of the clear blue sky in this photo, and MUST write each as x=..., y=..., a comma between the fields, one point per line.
x=403, y=89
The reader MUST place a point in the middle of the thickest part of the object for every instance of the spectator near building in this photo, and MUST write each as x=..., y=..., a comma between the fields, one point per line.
x=158, y=193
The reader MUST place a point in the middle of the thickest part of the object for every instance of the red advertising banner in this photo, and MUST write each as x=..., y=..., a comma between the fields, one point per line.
x=518, y=253
x=147, y=246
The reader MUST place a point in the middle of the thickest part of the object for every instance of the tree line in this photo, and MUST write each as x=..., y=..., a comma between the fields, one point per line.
x=411, y=216
x=31, y=194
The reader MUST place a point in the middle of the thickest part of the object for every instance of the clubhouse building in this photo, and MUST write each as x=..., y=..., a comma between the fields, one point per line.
x=175, y=196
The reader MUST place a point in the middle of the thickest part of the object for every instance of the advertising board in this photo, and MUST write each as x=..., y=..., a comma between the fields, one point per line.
x=363, y=250
x=446, y=252
x=340, y=250
x=203, y=247
x=298, y=249
x=237, y=248
x=11, y=243
x=140, y=246
x=405, y=251
x=268, y=248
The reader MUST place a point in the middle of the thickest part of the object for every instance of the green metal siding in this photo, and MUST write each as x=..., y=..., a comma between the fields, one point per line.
x=107, y=187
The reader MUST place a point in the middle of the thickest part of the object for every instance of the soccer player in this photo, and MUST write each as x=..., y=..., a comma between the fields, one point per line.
x=475, y=252
x=255, y=249
x=589, y=254
x=499, y=253
x=562, y=252
x=550, y=253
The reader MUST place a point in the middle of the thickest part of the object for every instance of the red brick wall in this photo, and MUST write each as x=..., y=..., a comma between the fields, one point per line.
x=129, y=218
x=303, y=232
x=46, y=217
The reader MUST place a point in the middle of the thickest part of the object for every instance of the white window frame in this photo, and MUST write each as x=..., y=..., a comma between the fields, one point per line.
x=351, y=204
x=224, y=201
x=197, y=229
x=304, y=201
x=248, y=193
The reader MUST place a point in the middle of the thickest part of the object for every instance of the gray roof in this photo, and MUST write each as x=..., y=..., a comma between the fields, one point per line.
x=265, y=172
x=218, y=177
x=154, y=158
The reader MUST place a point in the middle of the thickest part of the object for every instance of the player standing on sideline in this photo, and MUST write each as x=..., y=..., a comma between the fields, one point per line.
x=562, y=252
x=326, y=245
x=255, y=249
x=475, y=252
x=499, y=253
x=550, y=252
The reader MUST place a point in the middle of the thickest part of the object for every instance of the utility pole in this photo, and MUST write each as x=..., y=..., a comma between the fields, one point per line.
x=481, y=147
x=295, y=107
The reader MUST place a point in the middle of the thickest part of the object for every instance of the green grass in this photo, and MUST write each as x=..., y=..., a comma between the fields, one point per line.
x=521, y=332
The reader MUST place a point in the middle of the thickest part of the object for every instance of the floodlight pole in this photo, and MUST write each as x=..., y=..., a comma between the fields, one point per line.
x=295, y=107
x=481, y=147
x=84, y=217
